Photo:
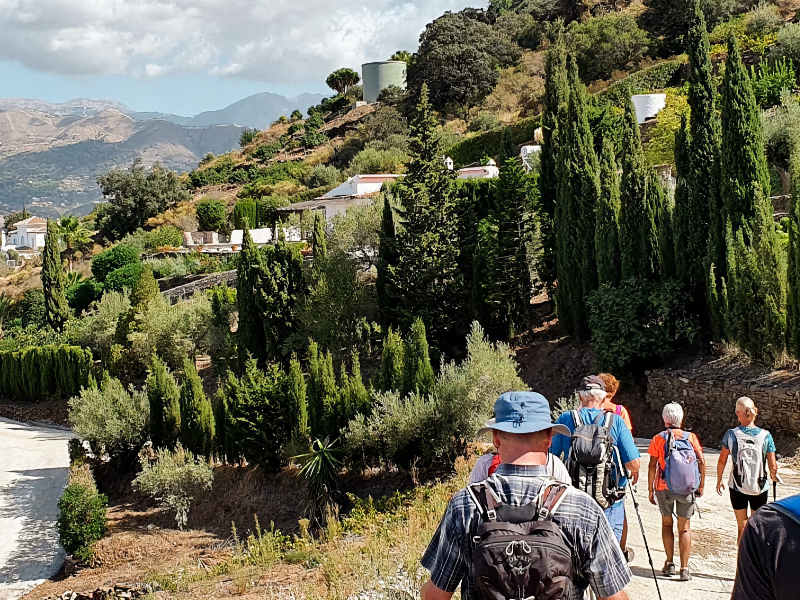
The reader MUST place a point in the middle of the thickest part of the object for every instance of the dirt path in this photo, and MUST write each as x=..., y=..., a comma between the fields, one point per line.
x=713, y=559
x=34, y=464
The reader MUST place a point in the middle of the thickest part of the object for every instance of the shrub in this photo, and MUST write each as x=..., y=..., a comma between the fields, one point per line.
x=164, y=398
x=763, y=19
x=267, y=210
x=384, y=123
x=173, y=481
x=322, y=176
x=210, y=214
x=637, y=322
x=111, y=260
x=81, y=520
x=32, y=308
x=484, y=122
x=606, y=44
x=124, y=277
x=789, y=42
x=112, y=419
x=41, y=372
x=244, y=214
x=436, y=428
x=197, y=419
x=659, y=147
x=166, y=236
x=489, y=143
x=371, y=160
x=267, y=151
x=81, y=295
x=650, y=79
x=247, y=137
x=771, y=80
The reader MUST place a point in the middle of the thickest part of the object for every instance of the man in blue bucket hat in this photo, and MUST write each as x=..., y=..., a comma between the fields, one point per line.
x=522, y=432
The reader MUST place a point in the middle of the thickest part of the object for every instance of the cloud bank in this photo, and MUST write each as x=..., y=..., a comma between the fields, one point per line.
x=273, y=41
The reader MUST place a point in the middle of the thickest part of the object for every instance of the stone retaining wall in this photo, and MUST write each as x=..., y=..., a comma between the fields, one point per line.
x=708, y=394
x=227, y=277
x=48, y=413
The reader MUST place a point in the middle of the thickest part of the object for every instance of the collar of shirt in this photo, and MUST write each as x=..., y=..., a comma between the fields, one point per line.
x=510, y=469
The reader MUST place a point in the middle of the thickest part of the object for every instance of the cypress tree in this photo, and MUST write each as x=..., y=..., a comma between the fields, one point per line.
x=638, y=242
x=244, y=214
x=419, y=377
x=331, y=400
x=793, y=271
x=252, y=340
x=54, y=282
x=145, y=290
x=319, y=245
x=579, y=195
x=283, y=287
x=359, y=396
x=556, y=93
x=662, y=248
x=322, y=391
x=315, y=394
x=425, y=281
x=197, y=418
x=296, y=398
x=387, y=257
x=607, y=230
x=390, y=376
x=164, y=397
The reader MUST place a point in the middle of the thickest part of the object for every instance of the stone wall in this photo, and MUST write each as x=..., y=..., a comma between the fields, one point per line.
x=708, y=391
x=49, y=413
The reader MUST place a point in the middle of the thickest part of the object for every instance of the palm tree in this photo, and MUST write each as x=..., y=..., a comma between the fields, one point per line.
x=74, y=234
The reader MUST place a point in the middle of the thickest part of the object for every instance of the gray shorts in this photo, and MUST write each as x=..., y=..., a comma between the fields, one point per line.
x=668, y=502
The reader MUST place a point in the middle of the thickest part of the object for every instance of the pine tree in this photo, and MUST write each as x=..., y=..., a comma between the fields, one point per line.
x=197, y=418
x=54, y=282
x=296, y=398
x=319, y=245
x=419, y=377
x=391, y=374
x=425, y=281
x=579, y=195
x=607, y=231
x=638, y=241
x=556, y=94
x=387, y=257
x=164, y=397
x=512, y=219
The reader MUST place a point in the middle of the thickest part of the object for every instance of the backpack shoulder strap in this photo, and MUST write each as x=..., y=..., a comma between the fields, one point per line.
x=484, y=497
x=576, y=417
x=618, y=410
x=550, y=499
x=608, y=420
x=686, y=436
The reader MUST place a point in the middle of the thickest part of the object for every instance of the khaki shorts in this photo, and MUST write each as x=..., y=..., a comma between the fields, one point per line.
x=668, y=502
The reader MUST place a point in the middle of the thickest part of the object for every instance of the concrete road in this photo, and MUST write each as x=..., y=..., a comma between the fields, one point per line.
x=713, y=558
x=34, y=463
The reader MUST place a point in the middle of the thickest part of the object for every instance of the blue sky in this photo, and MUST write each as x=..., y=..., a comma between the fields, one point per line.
x=188, y=56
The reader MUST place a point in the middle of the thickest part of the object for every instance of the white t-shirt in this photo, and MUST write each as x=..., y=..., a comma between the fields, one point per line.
x=554, y=466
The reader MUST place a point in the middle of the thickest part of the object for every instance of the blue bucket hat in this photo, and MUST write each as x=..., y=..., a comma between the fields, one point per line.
x=522, y=412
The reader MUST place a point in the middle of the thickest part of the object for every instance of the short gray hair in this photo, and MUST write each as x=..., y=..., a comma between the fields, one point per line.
x=673, y=414
x=597, y=395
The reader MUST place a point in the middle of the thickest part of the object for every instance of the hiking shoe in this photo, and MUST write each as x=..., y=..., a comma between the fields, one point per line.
x=669, y=569
x=629, y=554
x=685, y=576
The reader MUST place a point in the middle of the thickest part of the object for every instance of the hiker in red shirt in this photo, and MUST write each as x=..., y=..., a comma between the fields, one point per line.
x=664, y=494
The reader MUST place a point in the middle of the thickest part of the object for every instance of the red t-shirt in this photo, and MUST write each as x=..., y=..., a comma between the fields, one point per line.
x=656, y=450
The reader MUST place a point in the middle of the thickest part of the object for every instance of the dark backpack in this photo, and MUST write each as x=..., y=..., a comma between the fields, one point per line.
x=518, y=551
x=593, y=463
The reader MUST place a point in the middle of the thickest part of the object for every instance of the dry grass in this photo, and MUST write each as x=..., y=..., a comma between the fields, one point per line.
x=518, y=89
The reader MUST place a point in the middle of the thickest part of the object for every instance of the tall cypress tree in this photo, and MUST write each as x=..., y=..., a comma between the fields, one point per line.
x=319, y=245
x=390, y=376
x=556, y=93
x=296, y=399
x=252, y=340
x=793, y=271
x=164, y=397
x=197, y=416
x=387, y=257
x=662, y=247
x=607, y=230
x=576, y=218
x=53, y=280
x=425, y=280
x=418, y=371
x=638, y=242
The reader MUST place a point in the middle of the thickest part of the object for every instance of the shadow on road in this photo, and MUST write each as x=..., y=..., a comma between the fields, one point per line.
x=648, y=574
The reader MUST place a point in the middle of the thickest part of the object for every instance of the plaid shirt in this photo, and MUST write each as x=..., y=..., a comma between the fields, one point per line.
x=586, y=532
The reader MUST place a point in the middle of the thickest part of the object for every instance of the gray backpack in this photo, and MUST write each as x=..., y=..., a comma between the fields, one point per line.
x=518, y=551
x=593, y=463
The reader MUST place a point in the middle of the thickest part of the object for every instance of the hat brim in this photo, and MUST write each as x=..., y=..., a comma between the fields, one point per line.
x=523, y=427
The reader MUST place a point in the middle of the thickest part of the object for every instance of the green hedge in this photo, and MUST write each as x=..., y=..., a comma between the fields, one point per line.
x=488, y=143
x=647, y=80
x=45, y=372
x=311, y=194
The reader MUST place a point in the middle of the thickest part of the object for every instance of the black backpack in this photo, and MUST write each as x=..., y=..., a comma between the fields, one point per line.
x=518, y=551
x=591, y=457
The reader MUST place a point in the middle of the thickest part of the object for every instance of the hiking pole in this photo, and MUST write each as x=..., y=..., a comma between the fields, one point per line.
x=774, y=491
x=644, y=537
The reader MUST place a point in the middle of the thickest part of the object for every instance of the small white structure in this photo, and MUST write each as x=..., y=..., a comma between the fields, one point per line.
x=361, y=185
x=648, y=105
x=528, y=156
x=212, y=242
x=448, y=162
x=28, y=234
x=489, y=171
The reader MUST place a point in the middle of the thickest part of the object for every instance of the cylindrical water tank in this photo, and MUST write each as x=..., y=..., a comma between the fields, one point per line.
x=378, y=76
x=648, y=105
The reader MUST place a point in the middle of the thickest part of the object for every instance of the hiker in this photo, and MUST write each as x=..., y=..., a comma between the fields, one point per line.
x=612, y=387
x=595, y=426
x=487, y=464
x=752, y=449
x=478, y=543
x=676, y=476
x=769, y=553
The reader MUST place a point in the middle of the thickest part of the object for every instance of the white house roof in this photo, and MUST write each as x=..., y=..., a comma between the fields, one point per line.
x=32, y=225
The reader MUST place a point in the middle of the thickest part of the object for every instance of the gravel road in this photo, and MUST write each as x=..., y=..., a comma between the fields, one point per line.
x=34, y=463
x=713, y=558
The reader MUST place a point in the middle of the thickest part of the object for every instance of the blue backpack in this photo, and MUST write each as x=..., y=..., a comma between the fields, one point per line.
x=790, y=507
x=682, y=473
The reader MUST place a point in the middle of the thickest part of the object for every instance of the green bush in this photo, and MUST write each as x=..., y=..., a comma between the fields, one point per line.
x=32, y=308
x=124, y=277
x=112, y=419
x=371, y=160
x=653, y=78
x=244, y=214
x=247, y=137
x=770, y=81
x=44, y=372
x=81, y=295
x=211, y=215
x=637, y=322
x=267, y=210
x=174, y=480
x=311, y=194
x=322, y=176
x=489, y=143
x=606, y=44
x=111, y=260
x=789, y=42
x=485, y=121
x=81, y=520
x=267, y=151
x=218, y=172
x=163, y=396
x=763, y=19
x=197, y=418
x=166, y=236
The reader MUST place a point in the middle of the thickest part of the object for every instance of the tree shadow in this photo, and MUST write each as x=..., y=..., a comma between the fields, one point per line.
x=32, y=500
x=648, y=574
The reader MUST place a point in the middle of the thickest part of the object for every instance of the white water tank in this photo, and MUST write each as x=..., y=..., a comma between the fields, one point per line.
x=378, y=76
x=648, y=105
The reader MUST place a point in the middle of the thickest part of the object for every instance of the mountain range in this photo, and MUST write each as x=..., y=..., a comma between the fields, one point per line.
x=51, y=154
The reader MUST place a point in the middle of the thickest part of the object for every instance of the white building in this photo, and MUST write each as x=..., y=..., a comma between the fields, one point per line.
x=27, y=235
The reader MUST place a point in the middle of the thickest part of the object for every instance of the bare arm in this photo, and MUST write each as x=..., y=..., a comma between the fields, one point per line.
x=633, y=468
x=772, y=462
x=701, y=464
x=621, y=595
x=651, y=479
x=723, y=458
x=429, y=591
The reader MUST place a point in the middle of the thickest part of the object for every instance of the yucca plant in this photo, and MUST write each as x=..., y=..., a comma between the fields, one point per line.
x=321, y=474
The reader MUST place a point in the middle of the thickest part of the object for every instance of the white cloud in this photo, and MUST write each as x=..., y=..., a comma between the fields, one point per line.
x=274, y=41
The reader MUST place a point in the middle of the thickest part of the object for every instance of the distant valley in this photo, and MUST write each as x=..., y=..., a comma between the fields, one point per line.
x=51, y=154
